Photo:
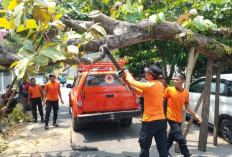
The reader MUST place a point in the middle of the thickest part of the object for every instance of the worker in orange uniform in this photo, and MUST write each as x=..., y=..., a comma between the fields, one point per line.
x=177, y=96
x=51, y=92
x=154, y=123
x=35, y=93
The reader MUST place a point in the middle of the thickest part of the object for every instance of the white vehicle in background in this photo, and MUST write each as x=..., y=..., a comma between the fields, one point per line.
x=40, y=80
x=225, y=103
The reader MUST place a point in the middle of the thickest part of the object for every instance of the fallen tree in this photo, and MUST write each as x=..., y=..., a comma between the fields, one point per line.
x=122, y=34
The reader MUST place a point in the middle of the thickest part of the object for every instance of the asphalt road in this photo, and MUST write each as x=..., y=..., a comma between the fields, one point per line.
x=106, y=139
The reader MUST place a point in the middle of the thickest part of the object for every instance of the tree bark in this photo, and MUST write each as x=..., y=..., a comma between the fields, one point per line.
x=205, y=108
x=7, y=57
x=3, y=110
x=216, y=112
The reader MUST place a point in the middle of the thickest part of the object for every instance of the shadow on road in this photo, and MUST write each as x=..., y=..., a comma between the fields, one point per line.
x=105, y=131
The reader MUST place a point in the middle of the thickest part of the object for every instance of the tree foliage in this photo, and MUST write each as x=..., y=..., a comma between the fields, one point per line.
x=188, y=14
x=46, y=38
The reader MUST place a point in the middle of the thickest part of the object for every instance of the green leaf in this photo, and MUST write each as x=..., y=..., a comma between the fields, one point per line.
x=131, y=18
x=98, y=28
x=42, y=60
x=73, y=49
x=2, y=67
x=115, y=14
x=153, y=18
x=161, y=17
x=5, y=4
x=21, y=67
x=46, y=3
x=73, y=36
x=83, y=25
x=53, y=53
x=23, y=52
x=200, y=23
x=210, y=24
x=18, y=11
x=128, y=6
x=28, y=45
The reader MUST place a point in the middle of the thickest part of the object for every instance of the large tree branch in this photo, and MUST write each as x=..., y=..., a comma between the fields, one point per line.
x=123, y=34
x=146, y=31
x=225, y=33
x=7, y=57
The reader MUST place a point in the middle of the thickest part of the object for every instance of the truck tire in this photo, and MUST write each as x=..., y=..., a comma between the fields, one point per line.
x=226, y=129
x=125, y=122
x=77, y=126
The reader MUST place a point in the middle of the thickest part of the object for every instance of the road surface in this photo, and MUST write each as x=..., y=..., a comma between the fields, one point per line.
x=107, y=139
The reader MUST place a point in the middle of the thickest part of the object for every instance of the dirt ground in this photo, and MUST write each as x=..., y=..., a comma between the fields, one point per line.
x=29, y=139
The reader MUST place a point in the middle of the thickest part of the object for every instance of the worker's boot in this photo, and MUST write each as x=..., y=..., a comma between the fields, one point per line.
x=42, y=118
x=55, y=124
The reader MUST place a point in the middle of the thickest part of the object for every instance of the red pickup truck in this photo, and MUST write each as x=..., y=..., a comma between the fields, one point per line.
x=97, y=96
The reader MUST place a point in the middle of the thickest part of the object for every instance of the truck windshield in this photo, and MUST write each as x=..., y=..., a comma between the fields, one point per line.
x=98, y=80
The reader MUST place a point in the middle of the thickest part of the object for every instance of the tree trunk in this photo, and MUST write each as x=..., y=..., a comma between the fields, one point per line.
x=205, y=108
x=9, y=101
x=216, y=113
x=192, y=58
x=8, y=91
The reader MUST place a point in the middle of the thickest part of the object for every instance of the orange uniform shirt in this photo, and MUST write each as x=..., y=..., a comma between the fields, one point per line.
x=153, y=98
x=52, y=91
x=35, y=92
x=176, y=100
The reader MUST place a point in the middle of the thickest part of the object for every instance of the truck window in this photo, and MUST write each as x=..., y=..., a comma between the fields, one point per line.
x=78, y=80
x=98, y=80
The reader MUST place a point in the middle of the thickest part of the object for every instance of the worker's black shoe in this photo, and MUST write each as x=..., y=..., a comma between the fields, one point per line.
x=46, y=127
x=169, y=154
x=55, y=124
x=188, y=155
x=34, y=121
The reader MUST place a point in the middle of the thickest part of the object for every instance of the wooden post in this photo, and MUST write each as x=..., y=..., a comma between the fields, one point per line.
x=205, y=108
x=8, y=91
x=216, y=112
x=195, y=110
x=192, y=58
x=9, y=101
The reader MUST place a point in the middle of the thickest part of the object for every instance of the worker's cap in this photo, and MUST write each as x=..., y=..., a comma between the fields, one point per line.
x=52, y=75
x=155, y=69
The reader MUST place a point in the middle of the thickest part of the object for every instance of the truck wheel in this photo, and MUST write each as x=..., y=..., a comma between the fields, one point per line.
x=226, y=129
x=126, y=122
x=77, y=126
